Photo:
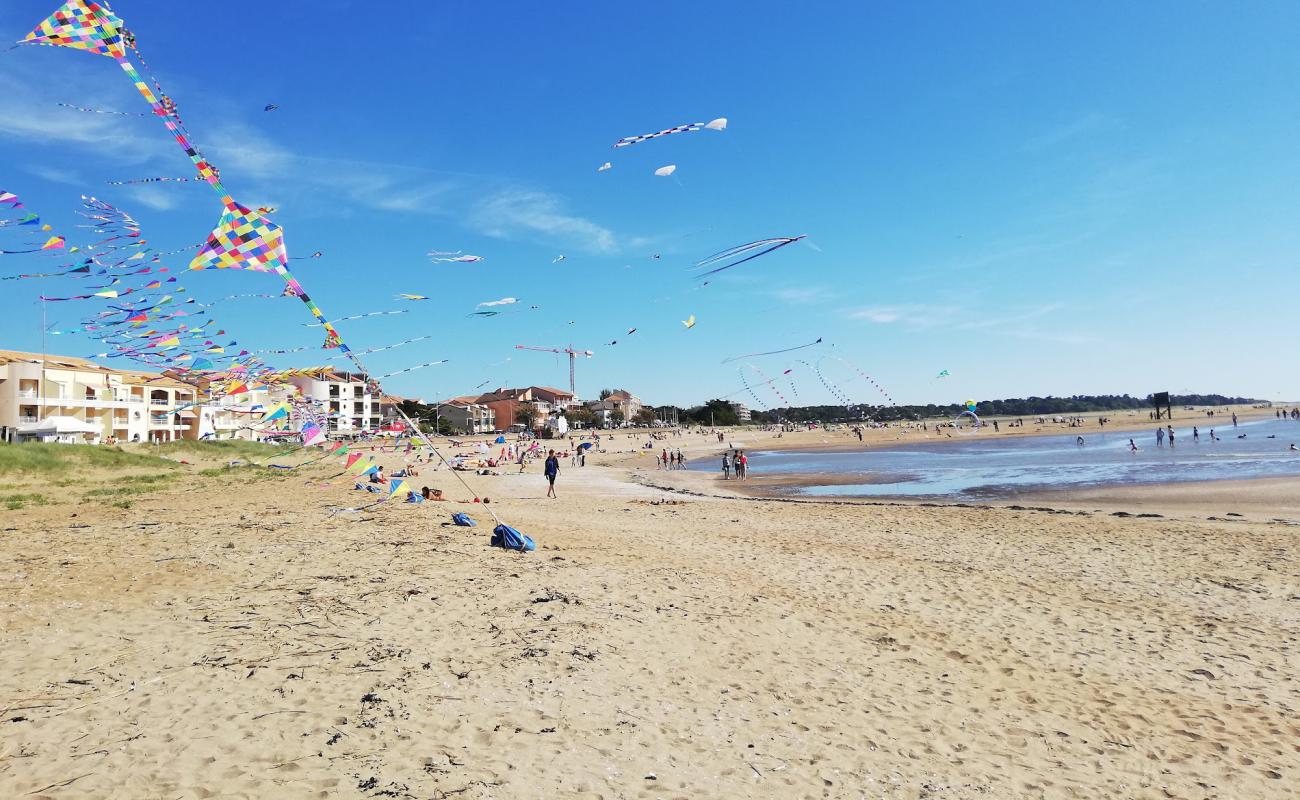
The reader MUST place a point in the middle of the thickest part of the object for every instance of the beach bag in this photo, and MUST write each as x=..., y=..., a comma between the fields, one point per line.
x=463, y=520
x=511, y=539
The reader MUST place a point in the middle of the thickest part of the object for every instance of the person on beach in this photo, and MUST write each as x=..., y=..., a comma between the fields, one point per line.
x=1160, y=437
x=1078, y=440
x=552, y=471
x=1196, y=435
x=1132, y=446
x=1171, y=435
x=726, y=467
x=1234, y=419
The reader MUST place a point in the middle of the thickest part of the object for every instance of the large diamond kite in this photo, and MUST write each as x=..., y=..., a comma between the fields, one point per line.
x=85, y=26
x=244, y=239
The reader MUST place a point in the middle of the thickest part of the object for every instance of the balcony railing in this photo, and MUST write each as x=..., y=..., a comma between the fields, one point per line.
x=27, y=394
x=156, y=402
x=27, y=419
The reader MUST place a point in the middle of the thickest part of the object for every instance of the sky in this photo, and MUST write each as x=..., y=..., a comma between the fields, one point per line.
x=1041, y=199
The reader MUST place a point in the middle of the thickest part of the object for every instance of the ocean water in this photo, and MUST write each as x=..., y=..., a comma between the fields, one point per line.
x=983, y=467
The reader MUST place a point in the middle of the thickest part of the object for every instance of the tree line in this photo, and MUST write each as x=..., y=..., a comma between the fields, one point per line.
x=722, y=413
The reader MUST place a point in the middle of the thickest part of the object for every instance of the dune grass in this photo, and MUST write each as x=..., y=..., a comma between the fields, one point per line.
x=13, y=502
x=226, y=449
x=39, y=458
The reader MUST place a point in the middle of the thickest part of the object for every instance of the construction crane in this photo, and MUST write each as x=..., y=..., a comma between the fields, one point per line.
x=573, y=355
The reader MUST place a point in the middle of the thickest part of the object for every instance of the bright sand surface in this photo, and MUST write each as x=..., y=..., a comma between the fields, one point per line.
x=229, y=638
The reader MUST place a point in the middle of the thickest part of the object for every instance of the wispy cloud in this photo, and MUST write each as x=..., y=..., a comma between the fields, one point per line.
x=512, y=212
x=1018, y=324
x=27, y=114
x=802, y=295
x=914, y=315
x=153, y=197
x=1089, y=124
x=54, y=174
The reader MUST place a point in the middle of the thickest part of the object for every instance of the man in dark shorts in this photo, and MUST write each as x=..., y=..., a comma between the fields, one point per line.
x=551, y=470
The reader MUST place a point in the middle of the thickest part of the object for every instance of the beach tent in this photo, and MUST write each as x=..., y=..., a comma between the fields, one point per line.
x=501, y=440
x=67, y=430
x=584, y=445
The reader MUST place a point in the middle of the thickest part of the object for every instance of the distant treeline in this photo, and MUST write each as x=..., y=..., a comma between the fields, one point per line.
x=1011, y=407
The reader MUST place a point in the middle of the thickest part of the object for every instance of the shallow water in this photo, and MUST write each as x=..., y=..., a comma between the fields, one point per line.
x=980, y=466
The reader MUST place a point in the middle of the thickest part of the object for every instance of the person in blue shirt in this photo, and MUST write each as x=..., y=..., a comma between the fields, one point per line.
x=552, y=471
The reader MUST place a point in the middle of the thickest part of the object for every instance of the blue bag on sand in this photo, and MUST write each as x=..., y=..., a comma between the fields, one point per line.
x=463, y=520
x=511, y=539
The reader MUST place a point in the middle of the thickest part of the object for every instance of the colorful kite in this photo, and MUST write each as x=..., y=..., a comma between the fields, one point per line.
x=943, y=373
x=749, y=251
x=689, y=322
x=412, y=297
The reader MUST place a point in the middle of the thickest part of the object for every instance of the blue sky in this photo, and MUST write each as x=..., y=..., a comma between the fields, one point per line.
x=1039, y=198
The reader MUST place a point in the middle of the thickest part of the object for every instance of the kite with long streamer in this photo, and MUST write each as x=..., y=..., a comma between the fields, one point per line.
x=243, y=239
x=411, y=369
x=359, y=316
x=716, y=125
x=735, y=256
x=773, y=352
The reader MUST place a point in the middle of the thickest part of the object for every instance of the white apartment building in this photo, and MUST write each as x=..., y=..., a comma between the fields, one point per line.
x=472, y=418
x=344, y=399
x=240, y=416
x=105, y=403
x=742, y=412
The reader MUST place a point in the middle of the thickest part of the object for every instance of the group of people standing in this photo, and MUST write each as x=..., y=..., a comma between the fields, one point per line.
x=735, y=462
x=672, y=460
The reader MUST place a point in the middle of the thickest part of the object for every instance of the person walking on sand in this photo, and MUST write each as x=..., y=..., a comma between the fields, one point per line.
x=552, y=471
x=1234, y=419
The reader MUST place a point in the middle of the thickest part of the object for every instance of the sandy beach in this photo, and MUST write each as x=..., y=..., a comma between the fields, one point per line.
x=225, y=636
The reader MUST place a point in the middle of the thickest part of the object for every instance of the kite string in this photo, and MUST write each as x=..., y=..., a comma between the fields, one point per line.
x=281, y=269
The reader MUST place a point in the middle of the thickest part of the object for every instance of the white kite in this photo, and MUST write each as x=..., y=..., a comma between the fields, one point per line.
x=438, y=257
x=505, y=301
x=689, y=322
x=664, y=172
x=719, y=124
x=558, y=259
x=604, y=167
